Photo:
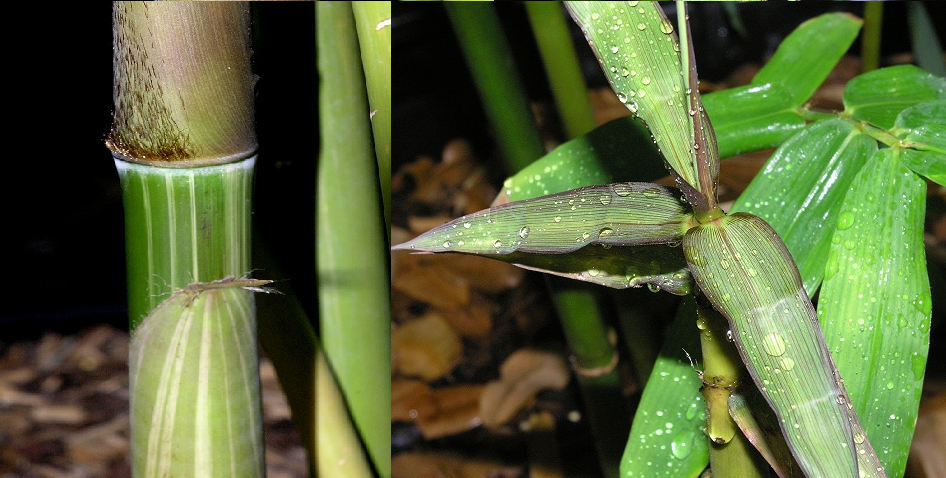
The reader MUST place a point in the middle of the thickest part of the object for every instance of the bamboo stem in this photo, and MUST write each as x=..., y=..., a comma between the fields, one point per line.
x=561, y=66
x=493, y=69
x=373, y=20
x=352, y=263
x=731, y=454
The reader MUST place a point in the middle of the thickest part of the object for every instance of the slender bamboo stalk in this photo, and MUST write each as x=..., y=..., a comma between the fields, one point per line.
x=319, y=411
x=373, y=20
x=731, y=454
x=183, y=141
x=493, y=69
x=561, y=66
x=870, y=41
x=352, y=264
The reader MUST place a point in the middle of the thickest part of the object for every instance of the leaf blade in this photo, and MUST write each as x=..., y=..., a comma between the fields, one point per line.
x=878, y=97
x=617, y=214
x=799, y=190
x=748, y=275
x=875, y=302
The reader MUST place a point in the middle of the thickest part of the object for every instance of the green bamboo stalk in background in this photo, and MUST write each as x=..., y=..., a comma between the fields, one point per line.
x=183, y=143
x=352, y=266
x=319, y=412
x=870, y=41
x=373, y=20
x=494, y=73
x=561, y=67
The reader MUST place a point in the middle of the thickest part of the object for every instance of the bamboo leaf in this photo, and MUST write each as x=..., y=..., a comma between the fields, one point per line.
x=765, y=113
x=599, y=157
x=799, y=191
x=875, y=302
x=924, y=127
x=666, y=436
x=640, y=55
x=880, y=96
x=748, y=275
x=751, y=117
x=619, y=214
x=805, y=57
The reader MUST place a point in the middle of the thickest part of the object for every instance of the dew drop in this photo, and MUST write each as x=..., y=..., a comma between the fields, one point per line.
x=621, y=189
x=666, y=27
x=751, y=272
x=691, y=412
x=605, y=199
x=849, y=244
x=845, y=220
x=645, y=80
x=614, y=48
x=622, y=97
x=729, y=336
x=773, y=344
x=498, y=244
x=787, y=363
x=585, y=235
x=625, y=72
x=682, y=445
x=558, y=219
x=890, y=385
x=447, y=244
x=859, y=438
x=641, y=26
x=653, y=287
x=524, y=232
x=724, y=264
x=605, y=232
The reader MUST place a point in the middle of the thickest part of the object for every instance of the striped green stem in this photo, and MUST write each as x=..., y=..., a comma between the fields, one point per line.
x=195, y=397
x=183, y=225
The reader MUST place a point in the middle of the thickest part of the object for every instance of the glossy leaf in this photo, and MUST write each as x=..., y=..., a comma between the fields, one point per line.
x=875, y=302
x=619, y=150
x=748, y=275
x=640, y=55
x=923, y=127
x=620, y=214
x=799, y=191
x=805, y=57
x=880, y=96
x=751, y=117
x=666, y=436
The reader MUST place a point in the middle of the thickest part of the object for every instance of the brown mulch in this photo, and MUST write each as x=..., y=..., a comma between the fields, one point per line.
x=64, y=409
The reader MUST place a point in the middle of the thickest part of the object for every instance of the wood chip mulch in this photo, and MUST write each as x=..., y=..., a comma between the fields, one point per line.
x=64, y=409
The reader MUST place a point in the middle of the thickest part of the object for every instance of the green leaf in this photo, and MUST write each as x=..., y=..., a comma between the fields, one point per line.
x=666, y=436
x=640, y=55
x=619, y=150
x=658, y=266
x=751, y=117
x=804, y=59
x=621, y=214
x=923, y=127
x=880, y=96
x=748, y=275
x=799, y=191
x=875, y=302
x=930, y=164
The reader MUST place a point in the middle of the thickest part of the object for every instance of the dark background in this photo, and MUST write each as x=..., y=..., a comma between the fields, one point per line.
x=62, y=263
